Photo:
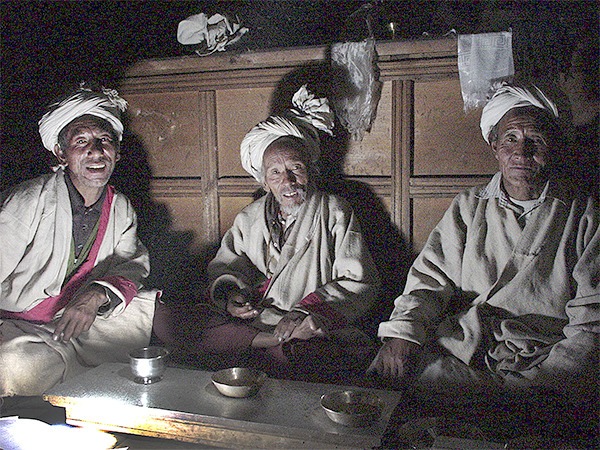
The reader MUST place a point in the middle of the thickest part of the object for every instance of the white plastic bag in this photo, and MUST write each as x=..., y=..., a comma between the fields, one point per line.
x=483, y=59
x=355, y=101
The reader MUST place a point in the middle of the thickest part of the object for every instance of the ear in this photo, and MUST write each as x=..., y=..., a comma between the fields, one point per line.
x=118, y=156
x=494, y=145
x=60, y=154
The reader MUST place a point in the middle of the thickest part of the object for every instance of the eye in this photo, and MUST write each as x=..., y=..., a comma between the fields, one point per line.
x=538, y=141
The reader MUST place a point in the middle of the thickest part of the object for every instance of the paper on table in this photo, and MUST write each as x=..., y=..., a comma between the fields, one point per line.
x=31, y=434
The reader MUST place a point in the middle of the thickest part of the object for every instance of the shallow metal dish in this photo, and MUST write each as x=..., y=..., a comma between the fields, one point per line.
x=352, y=408
x=238, y=381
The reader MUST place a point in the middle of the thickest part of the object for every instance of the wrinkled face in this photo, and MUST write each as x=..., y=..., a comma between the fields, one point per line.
x=285, y=169
x=91, y=150
x=522, y=149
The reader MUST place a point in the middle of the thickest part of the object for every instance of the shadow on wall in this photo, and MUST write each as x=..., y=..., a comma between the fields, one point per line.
x=387, y=245
x=175, y=268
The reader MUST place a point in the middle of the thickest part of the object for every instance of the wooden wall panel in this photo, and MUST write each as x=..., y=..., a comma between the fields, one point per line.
x=168, y=125
x=372, y=156
x=229, y=207
x=446, y=140
x=192, y=113
x=186, y=216
x=426, y=213
x=238, y=110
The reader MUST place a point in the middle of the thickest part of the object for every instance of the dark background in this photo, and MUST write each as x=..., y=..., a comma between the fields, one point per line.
x=49, y=47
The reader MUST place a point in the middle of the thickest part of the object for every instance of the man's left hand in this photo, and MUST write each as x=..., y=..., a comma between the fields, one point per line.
x=295, y=325
x=80, y=313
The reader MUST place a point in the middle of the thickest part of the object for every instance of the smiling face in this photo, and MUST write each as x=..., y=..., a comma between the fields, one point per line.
x=89, y=148
x=285, y=169
x=523, y=150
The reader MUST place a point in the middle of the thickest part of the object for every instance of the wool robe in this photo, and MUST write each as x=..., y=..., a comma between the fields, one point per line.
x=518, y=298
x=35, y=242
x=325, y=254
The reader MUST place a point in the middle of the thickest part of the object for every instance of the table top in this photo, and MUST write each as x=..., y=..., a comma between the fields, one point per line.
x=185, y=405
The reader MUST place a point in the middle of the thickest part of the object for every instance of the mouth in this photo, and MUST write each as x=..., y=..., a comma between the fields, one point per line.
x=98, y=167
x=523, y=168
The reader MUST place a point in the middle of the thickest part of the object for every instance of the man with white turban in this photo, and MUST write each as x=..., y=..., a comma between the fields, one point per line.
x=505, y=294
x=71, y=263
x=293, y=274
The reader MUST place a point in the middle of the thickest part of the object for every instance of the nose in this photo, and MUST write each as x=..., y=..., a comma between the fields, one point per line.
x=96, y=146
x=289, y=176
x=525, y=148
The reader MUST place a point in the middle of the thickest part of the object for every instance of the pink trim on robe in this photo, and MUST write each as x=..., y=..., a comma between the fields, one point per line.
x=263, y=288
x=315, y=304
x=124, y=285
x=45, y=311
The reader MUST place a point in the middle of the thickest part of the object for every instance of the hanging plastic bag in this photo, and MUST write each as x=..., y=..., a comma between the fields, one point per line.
x=355, y=101
x=483, y=59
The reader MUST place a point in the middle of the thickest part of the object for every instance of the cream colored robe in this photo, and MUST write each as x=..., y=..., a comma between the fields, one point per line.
x=523, y=301
x=35, y=240
x=325, y=253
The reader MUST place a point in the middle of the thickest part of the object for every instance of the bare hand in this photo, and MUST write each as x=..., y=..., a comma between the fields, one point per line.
x=287, y=325
x=239, y=306
x=396, y=358
x=80, y=313
x=307, y=329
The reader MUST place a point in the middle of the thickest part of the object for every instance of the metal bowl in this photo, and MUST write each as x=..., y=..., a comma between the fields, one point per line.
x=238, y=381
x=352, y=408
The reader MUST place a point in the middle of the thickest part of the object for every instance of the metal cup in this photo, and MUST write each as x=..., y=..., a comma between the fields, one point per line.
x=148, y=364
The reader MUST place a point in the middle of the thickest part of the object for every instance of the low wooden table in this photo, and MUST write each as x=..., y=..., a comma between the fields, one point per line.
x=185, y=406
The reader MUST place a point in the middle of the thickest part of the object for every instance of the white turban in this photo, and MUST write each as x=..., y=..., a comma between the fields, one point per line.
x=508, y=97
x=303, y=121
x=106, y=105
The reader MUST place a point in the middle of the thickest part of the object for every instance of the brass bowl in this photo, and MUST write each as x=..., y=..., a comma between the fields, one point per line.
x=352, y=408
x=238, y=381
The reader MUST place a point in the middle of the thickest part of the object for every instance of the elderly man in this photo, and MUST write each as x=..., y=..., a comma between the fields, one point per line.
x=505, y=293
x=71, y=264
x=293, y=273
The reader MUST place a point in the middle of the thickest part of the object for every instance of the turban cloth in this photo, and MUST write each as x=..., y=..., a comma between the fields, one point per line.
x=303, y=121
x=508, y=97
x=106, y=105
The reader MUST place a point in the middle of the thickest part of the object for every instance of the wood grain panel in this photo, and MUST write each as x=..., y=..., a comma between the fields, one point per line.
x=446, y=140
x=168, y=127
x=186, y=216
x=372, y=155
x=427, y=212
x=229, y=207
x=238, y=110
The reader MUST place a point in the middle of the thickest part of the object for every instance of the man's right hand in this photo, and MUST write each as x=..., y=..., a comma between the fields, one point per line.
x=396, y=358
x=239, y=306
